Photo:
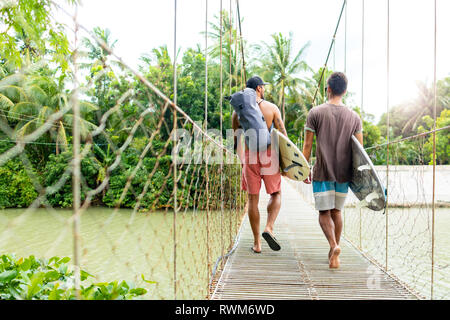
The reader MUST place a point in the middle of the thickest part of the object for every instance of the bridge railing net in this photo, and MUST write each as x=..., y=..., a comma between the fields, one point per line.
x=401, y=239
x=158, y=206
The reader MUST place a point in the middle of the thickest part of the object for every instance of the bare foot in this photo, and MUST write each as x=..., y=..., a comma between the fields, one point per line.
x=257, y=248
x=269, y=230
x=329, y=252
x=334, y=258
x=255, y=251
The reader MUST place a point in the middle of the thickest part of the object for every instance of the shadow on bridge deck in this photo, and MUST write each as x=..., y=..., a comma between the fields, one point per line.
x=300, y=269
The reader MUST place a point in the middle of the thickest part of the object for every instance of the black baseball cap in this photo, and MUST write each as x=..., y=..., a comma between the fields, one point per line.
x=255, y=81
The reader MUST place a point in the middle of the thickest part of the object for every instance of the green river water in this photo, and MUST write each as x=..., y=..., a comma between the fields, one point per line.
x=124, y=246
x=121, y=245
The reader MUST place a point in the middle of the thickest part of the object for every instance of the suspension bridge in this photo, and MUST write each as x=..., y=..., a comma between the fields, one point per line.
x=192, y=233
x=300, y=270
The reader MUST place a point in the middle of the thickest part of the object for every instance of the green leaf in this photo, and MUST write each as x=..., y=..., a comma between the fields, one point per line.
x=7, y=276
x=64, y=260
x=5, y=102
x=53, y=259
x=26, y=265
x=24, y=108
x=148, y=281
x=84, y=275
x=52, y=275
x=34, y=287
x=55, y=293
x=13, y=291
x=14, y=93
x=138, y=291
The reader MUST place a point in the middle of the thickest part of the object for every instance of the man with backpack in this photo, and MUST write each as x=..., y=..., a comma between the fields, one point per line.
x=258, y=117
x=334, y=124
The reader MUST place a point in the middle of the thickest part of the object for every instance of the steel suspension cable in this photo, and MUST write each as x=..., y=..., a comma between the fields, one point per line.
x=388, y=135
x=345, y=71
x=231, y=84
x=175, y=183
x=362, y=101
x=208, y=254
x=229, y=56
x=434, y=154
x=236, y=56
x=76, y=177
x=221, y=134
x=362, y=56
x=329, y=51
x=345, y=42
x=241, y=41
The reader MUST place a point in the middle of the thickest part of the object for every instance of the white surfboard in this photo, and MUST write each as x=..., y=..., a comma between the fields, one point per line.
x=292, y=161
x=366, y=184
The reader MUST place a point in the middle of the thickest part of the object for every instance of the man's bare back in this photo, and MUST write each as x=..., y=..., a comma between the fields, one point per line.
x=271, y=114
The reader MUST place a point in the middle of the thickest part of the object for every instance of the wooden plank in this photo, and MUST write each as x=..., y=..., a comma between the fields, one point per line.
x=300, y=269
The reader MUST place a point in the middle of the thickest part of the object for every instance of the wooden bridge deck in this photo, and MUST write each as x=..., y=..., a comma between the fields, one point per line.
x=300, y=269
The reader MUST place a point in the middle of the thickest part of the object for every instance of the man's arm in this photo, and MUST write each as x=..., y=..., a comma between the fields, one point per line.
x=359, y=136
x=235, y=126
x=307, y=145
x=278, y=121
x=237, y=139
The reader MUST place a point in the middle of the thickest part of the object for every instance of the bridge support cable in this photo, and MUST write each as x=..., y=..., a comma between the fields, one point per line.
x=329, y=51
x=241, y=41
x=387, y=133
x=345, y=41
x=362, y=100
x=76, y=177
x=175, y=179
x=345, y=70
x=433, y=205
x=208, y=255
x=222, y=242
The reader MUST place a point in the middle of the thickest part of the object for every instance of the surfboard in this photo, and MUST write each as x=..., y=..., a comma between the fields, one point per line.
x=292, y=161
x=365, y=183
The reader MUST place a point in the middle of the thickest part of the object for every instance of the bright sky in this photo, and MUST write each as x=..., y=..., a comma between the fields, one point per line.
x=142, y=25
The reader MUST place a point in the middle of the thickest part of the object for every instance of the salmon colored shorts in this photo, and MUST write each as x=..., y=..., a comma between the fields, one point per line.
x=254, y=169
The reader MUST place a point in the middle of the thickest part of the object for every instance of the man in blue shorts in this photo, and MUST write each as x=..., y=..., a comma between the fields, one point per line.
x=333, y=124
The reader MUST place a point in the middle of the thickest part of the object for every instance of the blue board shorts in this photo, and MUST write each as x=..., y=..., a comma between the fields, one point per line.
x=329, y=195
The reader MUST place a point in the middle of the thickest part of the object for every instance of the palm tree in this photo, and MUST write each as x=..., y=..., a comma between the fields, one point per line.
x=97, y=53
x=423, y=105
x=405, y=118
x=27, y=101
x=231, y=54
x=281, y=67
x=312, y=88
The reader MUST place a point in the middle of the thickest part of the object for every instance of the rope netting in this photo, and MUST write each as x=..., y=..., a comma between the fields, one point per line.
x=156, y=198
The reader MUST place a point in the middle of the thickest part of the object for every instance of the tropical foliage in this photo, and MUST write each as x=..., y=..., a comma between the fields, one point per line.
x=52, y=279
x=36, y=84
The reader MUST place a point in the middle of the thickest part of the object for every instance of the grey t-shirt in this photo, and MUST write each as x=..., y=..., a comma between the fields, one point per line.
x=334, y=126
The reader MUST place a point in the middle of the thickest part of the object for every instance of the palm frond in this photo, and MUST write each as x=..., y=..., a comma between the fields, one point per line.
x=14, y=93
x=5, y=102
x=25, y=108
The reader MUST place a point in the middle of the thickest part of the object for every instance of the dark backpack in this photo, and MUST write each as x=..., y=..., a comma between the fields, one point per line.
x=257, y=136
